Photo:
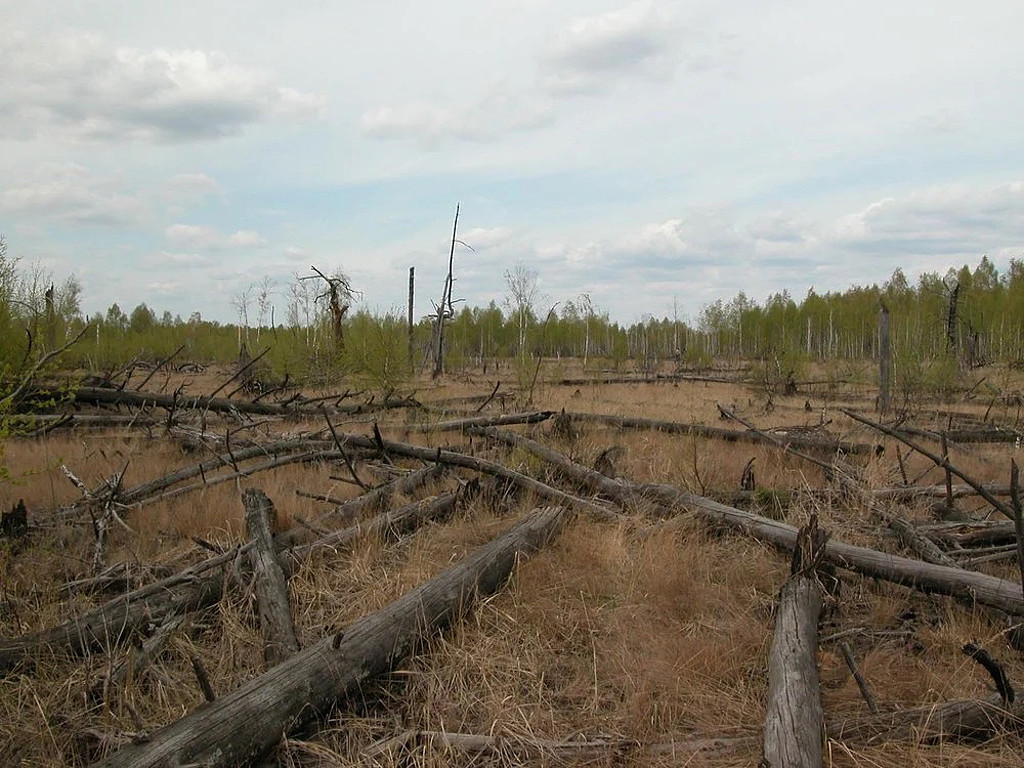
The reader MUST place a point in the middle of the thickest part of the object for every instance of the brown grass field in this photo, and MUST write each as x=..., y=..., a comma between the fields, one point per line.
x=642, y=630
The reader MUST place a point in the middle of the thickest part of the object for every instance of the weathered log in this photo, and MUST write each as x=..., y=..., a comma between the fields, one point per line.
x=271, y=586
x=980, y=587
x=504, y=420
x=130, y=666
x=946, y=721
x=106, y=396
x=250, y=720
x=701, y=430
x=793, y=722
x=913, y=539
x=375, y=499
x=927, y=577
x=940, y=461
x=971, y=534
x=456, y=459
x=109, y=624
x=387, y=523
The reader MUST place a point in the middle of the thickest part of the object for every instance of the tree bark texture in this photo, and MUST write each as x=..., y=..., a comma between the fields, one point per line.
x=271, y=585
x=252, y=719
x=793, y=724
x=197, y=587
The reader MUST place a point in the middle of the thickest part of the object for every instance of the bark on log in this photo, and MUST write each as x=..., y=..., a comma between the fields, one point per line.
x=971, y=534
x=105, y=396
x=251, y=720
x=504, y=420
x=271, y=586
x=951, y=720
x=107, y=625
x=700, y=430
x=794, y=718
x=980, y=587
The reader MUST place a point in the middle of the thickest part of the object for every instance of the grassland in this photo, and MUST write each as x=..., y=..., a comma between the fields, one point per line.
x=640, y=630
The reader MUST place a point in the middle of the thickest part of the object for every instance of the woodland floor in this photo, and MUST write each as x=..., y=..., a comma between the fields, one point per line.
x=608, y=633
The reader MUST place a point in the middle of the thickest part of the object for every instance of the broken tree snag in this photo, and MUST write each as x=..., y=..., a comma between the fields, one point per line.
x=793, y=723
x=884, y=359
x=251, y=720
x=271, y=586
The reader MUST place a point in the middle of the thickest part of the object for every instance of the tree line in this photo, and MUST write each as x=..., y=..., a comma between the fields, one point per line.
x=970, y=315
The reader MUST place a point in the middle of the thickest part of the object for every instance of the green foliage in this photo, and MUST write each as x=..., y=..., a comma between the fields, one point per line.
x=377, y=350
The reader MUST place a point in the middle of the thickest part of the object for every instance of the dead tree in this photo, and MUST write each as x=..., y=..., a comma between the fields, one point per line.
x=793, y=723
x=270, y=584
x=339, y=296
x=446, y=309
x=250, y=720
x=884, y=359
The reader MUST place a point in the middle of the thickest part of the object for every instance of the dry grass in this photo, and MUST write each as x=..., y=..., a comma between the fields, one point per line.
x=606, y=633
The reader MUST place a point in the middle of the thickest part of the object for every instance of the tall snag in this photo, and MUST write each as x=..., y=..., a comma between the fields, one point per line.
x=339, y=296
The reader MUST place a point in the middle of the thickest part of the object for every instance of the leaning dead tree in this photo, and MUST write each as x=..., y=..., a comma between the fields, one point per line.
x=339, y=296
x=446, y=309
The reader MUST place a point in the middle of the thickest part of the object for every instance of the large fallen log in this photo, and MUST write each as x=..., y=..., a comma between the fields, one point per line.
x=252, y=719
x=927, y=577
x=790, y=439
x=794, y=719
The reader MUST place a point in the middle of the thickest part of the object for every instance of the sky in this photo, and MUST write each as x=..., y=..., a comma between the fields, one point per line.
x=654, y=155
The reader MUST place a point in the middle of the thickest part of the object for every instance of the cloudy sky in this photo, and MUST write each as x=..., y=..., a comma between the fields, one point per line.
x=641, y=153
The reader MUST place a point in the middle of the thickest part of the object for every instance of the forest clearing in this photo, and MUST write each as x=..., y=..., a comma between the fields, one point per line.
x=643, y=521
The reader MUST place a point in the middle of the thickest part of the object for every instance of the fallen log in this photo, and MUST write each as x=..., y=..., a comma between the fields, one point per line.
x=971, y=534
x=271, y=586
x=940, y=461
x=504, y=420
x=719, y=433
x=456, y=459
x=946, y=721
x=107, y=625
x=927, y=577
x=176, y=402
x=794, y=719
x=251, y=720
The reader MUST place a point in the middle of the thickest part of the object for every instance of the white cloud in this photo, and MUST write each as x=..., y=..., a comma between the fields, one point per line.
x=593, y=52
x=78, y=86
x=200, y=236
x=496, y=112
x=192, y=187
x=70, y=194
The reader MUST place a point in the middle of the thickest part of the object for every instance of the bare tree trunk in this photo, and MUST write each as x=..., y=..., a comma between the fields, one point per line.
x=884, y=359
x=793, y=723
x=271, y=586
x=250, y=720
x=412, y=294
x=446, y=302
